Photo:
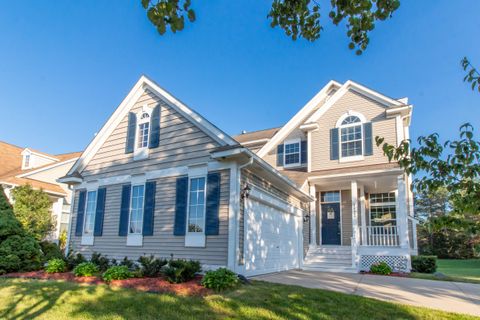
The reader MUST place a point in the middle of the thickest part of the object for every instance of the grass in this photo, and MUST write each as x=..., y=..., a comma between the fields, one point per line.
x=43, y=299
x=455, y=270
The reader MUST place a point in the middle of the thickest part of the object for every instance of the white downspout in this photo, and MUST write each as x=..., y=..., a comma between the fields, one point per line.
x=237, y=214
x=72, y=206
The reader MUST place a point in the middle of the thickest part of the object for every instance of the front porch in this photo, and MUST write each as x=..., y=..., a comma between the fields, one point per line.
x=359, y=219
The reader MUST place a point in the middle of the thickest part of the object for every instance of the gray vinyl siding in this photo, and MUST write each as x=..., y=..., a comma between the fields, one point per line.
x=181, y=143
x=163, y=243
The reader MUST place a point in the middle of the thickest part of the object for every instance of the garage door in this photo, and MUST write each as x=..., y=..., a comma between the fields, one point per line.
x=272, y=238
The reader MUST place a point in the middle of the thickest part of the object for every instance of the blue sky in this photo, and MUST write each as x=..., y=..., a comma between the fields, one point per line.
x=66, y=65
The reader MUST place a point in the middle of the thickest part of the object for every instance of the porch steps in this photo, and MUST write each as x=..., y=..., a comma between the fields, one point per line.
x=329, y=259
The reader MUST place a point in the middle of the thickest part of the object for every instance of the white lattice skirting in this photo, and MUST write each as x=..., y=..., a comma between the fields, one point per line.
x=397, y=263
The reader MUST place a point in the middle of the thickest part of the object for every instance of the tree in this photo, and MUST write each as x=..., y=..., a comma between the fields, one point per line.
x=298, y=18
x=32, y=209
x=472, y=76
x=18, y=250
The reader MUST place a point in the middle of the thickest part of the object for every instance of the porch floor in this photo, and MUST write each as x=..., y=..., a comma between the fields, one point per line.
x=441, y=295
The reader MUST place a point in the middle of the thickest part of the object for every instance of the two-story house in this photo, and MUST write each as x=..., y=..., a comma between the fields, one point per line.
x=161, y=179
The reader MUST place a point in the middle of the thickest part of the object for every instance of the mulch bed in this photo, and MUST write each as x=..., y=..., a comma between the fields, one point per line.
x=157, y=285
x=393, y=274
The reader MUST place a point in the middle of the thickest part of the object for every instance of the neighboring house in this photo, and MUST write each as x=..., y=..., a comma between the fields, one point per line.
x=21, y=166
x=160, y=179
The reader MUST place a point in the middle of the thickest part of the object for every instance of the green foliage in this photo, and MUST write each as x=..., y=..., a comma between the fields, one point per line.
x=298, y=18
x=62, y=240
x=117, y=273
x=18, y=251
x=179, y=270
x=51, y=251
x=74, y=259
x=151, y=266
x=85, y=269
x=453, y=166
x=220, y=279
x=164, y=13
x=473, y=76
x=380, y=268
x=56, y=265
x=424, y=264
x=128, y=263
x=100, y=261
x=32, y=209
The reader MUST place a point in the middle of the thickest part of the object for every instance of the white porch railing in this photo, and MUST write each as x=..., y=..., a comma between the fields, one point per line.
x=382, y=236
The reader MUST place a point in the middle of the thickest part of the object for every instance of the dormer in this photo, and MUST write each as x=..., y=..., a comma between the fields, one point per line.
x=32, y=159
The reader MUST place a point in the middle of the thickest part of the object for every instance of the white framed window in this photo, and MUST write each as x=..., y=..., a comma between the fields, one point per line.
x=142, y=134
x=143, y=130
x=330, y=196
x=135, y=224
x=351, y=137
x=383, y=209
x=196, y=205
x=90, y=208
x=27, y=161
x=292, y=151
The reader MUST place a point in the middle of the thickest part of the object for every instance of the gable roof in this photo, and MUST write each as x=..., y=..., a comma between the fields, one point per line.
x=301, y=116
x=143, y=84
x=258, y=135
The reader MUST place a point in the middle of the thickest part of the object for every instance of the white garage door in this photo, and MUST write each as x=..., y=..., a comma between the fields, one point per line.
x=272, y=238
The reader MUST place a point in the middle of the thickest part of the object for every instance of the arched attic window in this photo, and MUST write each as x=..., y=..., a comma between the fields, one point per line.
x=351, y=139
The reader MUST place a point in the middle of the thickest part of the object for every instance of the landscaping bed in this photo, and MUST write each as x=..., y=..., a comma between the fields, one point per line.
x=157, y=284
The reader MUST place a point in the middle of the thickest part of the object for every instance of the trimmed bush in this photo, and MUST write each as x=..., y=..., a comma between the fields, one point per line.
x=56, y=265
x=74, y=259
x=220, y=279
x=150, y=266
x=85, y=269
x=128, y=263
x=117, y=273
x=424, y=264
x=102, y=262
x=179, y=270
x=380, y=268
x=51, y=251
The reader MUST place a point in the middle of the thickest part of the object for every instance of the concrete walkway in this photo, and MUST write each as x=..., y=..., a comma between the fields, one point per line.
x=442, y=295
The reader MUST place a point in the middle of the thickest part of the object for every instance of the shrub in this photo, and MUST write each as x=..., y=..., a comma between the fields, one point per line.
x=56, y=265
x=150, y=266
x=179, y=270
x=380, y=268
x=220, y=279
x=74, y=259
x=117, y=273
x=51, y=251
x=128, y=263
x=101, y=261
x=62, y=240
x=85, y=269
x=424, y=264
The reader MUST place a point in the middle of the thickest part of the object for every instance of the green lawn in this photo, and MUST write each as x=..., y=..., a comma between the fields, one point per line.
x=25, y=299
x=455, y=270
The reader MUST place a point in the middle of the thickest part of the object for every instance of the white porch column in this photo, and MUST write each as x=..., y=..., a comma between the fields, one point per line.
x=363, y=215
x=58, y=211
x=355, y=231
x=313, y=218
x=402, y=220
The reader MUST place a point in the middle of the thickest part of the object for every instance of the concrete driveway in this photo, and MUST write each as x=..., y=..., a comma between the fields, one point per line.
x=442, y=295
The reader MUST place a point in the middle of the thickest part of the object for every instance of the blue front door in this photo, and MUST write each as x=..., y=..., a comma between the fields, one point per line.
x=331, y=223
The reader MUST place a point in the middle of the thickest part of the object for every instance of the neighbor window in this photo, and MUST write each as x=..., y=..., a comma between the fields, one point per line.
x=143, y=135
x=136, y=210
x=351, y=137
x=330, y=196
x=383, y=209
x=196, y=208
x=292, y=153
x=90, y=212
x=27, y=161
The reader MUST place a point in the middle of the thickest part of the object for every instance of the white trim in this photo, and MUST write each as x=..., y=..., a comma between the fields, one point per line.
x=309, y=151
x=233, y=217
x=70, y=218
x=310, y=127
x=296, y=164
x=298, y=118
x=138, y=89
x=140, y=153
x=347, y=114
x=339, y=125
x=356, y=158
x=27, y=150
x=54, y=165
x=361, y=173
x=196, y=239
x=320, y=202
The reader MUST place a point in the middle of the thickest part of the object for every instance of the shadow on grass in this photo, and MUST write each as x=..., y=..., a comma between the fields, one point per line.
x=54, y=300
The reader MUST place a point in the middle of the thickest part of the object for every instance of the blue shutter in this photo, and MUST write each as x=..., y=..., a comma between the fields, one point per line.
x=80, y=213
x=280, y=155
x=99, y=212
x=132, y=126
x=334, y=148
x=124, y=210
x=149, y=208
x=154, y=140
x=213, y=204
x=181, y=207
x=304, y=152
x=368, y=142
